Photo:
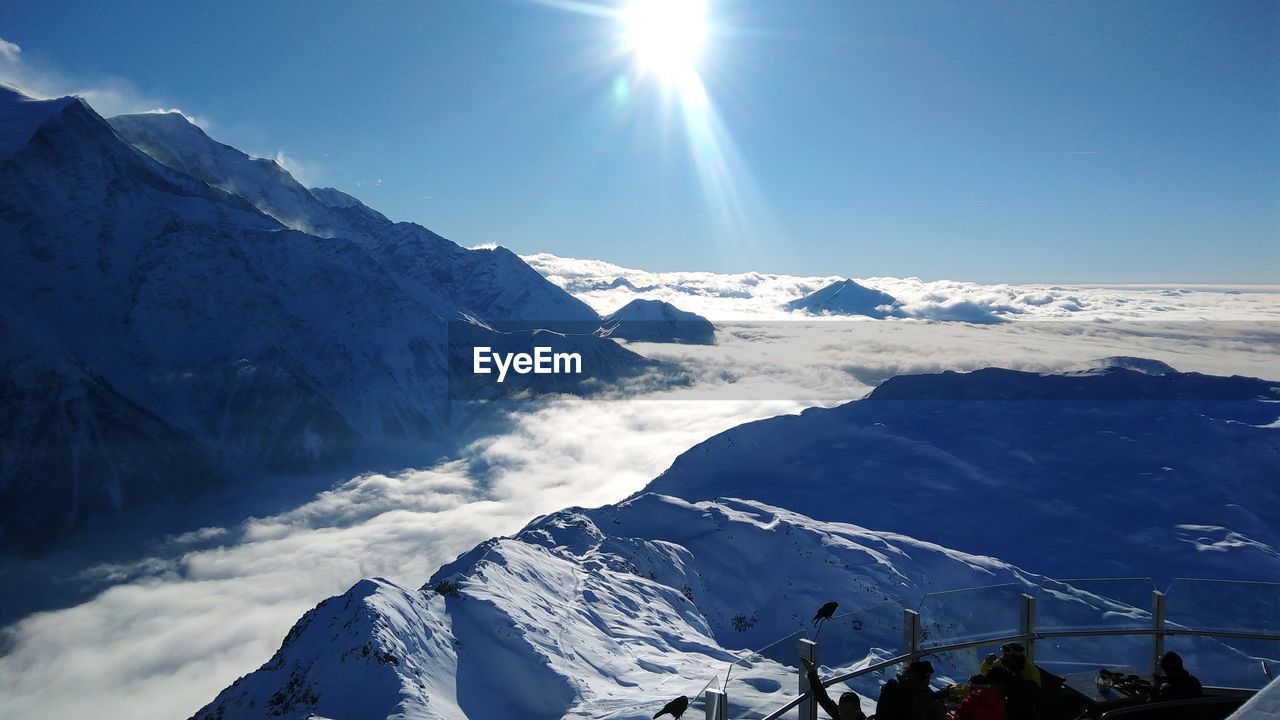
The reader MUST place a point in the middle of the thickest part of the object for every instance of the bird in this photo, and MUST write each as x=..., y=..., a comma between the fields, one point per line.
x=826, y=611
x=675, y=707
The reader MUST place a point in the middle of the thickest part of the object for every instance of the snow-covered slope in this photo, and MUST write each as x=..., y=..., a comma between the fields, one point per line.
x=21, y=116
x=493, y=284
x=1099, y=473
x=610, y=612
x=656, y=321
x=592, y=613
x=190, y=308
x=159, y=329
x=845, y=297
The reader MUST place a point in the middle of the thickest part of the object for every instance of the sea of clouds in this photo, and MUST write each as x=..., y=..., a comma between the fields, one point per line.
x=189, y=613
x=763, y=296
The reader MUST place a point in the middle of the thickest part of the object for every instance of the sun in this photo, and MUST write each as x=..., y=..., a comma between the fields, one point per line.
x=666, y=36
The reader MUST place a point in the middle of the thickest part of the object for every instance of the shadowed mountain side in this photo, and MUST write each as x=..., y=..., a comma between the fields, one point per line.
x=1076, y=474
x=164, y=331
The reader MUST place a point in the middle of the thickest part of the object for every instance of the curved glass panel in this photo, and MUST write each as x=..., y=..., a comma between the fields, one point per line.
x=962, y=616
x=972, y=614
x=763, y=679
x=1224, y=605
x=1094, y=603
x=848, y=639
x=1233, y=663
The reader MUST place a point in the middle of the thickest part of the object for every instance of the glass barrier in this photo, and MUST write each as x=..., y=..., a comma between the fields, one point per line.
x=848, y=639
x=761, y=680
x=765, y=678
x=960, y=616
x=1094, y=604
x=1223, y=605
x=758, y=683
x=972, y=614
x=693, y=686
x=1067, y=656
x=1227, y=662
x=861, y=638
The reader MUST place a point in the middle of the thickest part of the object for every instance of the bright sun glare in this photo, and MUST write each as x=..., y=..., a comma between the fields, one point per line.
x=666, y=35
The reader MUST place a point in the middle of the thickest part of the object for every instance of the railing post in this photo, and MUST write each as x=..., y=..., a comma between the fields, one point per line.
x=808, y=651
x=1157, y=624
x=717, y=702
x=1027, y=625
x=911, y=634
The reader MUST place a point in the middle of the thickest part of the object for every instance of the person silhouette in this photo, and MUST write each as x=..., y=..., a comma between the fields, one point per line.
x=850, y=705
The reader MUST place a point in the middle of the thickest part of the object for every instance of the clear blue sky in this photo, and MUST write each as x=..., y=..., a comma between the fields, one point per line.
x=1072, y=142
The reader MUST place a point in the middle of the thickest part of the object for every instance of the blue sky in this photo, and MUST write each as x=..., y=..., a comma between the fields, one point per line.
x=1081, y=142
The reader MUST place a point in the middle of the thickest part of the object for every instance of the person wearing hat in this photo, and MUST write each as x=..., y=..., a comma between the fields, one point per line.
x=1009, y=656
x=1021, y=696
x=1176, y=683
x=982, y=702
x=909, y=697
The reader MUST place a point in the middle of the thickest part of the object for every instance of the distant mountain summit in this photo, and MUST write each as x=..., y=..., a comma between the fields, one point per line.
x=658, y=321
x=169, y=313
x=846, y=297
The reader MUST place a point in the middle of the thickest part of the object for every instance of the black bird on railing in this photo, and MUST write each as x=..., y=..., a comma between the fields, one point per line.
x=675, y=707
x=826, y=611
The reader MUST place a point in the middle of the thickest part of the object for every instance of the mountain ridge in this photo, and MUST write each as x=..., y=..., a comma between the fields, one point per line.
x=629, y=604
x=177, y=309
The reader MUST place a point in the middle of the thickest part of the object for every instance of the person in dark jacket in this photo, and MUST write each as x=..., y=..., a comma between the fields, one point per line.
x=982, y=702
x=849, y=707
x=1176, y=683
x=1021, y=696
x=908, y=696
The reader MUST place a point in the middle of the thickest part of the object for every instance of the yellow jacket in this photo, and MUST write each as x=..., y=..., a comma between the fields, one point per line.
x=1029, y=671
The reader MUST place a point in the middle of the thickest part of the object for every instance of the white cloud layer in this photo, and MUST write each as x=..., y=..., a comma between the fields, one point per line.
x=183, y=620
x=191, y=620
x=762, y=296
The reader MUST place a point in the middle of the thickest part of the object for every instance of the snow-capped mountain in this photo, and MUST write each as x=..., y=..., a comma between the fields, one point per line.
x=845, y=297
x=610, y=612
x=657, y=321
x=1095, y=473
x=590, y=613
x=159, y=328
x=492, y=284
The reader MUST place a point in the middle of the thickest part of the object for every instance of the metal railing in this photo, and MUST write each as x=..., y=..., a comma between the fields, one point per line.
x=914, y=645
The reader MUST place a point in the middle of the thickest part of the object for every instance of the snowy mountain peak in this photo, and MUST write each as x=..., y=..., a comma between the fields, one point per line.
x=161, y=322
x=174, y=141
x=845, y=297
x=493, y=284
x=595, y=613
x=1147, y=366
x=21, y=115
x=657, y=321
